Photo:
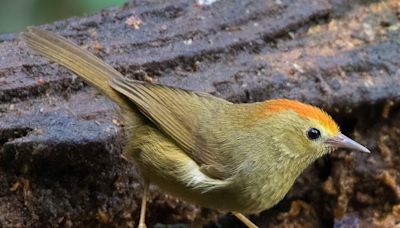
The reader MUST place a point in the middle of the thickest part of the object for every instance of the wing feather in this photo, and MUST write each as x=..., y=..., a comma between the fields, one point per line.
x=180, y=114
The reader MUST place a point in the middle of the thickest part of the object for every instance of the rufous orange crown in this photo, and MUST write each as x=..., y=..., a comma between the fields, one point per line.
x=305, y=111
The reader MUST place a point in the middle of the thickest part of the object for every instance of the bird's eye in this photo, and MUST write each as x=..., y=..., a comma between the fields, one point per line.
x=313, y=133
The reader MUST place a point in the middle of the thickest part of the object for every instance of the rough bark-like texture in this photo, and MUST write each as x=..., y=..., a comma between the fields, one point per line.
x=60, y=141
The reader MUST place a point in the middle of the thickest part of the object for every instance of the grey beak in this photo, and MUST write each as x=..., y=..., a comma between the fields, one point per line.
x=342, y=141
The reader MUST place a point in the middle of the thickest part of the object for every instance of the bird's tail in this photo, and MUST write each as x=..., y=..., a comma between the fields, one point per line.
x=93, y=70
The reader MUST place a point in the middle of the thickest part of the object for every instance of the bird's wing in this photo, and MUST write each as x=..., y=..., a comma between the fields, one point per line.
x=179, y=114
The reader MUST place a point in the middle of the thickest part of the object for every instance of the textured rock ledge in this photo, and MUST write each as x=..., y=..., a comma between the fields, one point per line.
x=60, y=141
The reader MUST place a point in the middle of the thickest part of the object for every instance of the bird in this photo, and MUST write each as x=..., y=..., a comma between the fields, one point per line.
x=234, y=157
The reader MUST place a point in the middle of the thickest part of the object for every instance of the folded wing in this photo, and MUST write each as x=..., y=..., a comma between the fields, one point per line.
x=180, y=114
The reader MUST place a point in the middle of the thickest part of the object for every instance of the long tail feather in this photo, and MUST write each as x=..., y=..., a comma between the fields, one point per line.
x=93, y=70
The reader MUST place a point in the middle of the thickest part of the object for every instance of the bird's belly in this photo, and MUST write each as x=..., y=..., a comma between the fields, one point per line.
x=163, y=163
x=263, y=187
x=221, y=198
x=235, y=195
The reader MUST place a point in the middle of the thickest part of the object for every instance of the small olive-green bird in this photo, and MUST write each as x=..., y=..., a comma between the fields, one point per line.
x=239, y=158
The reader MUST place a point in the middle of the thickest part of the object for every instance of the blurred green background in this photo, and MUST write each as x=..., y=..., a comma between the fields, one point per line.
x=15, y=15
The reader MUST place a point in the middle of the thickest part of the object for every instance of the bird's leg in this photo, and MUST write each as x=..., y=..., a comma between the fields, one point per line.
x=244, y=220
x=142, y=223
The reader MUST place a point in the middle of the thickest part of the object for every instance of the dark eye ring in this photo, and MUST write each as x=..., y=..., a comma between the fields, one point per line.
x=313, y=133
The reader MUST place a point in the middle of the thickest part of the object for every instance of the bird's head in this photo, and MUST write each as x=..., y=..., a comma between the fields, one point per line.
x=306, y=130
